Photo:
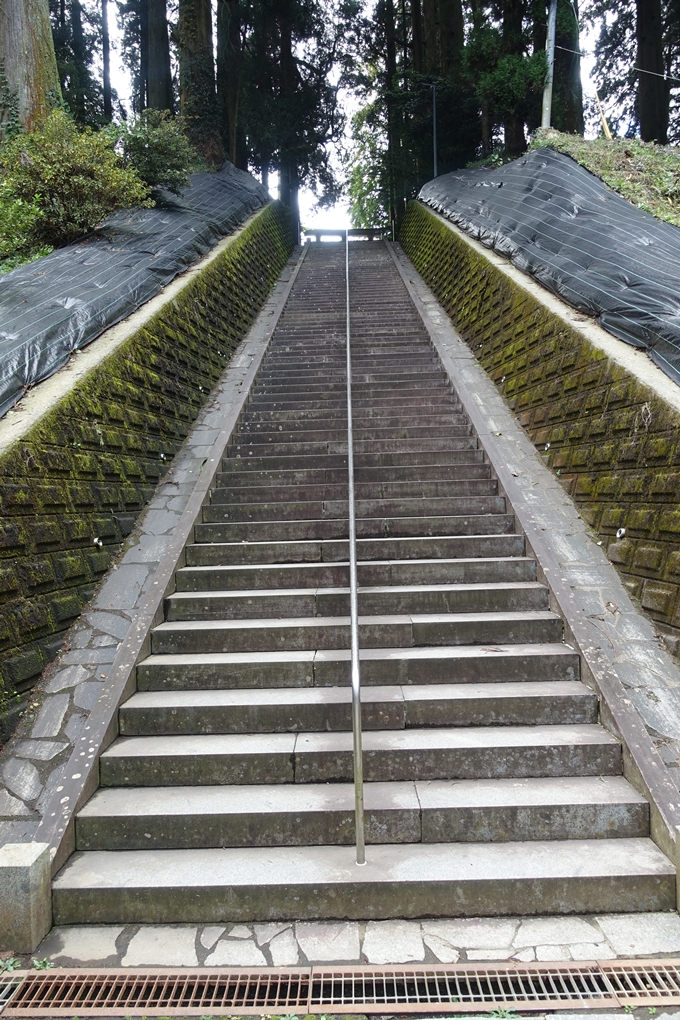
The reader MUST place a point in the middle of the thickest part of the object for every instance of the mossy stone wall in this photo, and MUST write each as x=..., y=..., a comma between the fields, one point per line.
x=71, y=488
x=613, y=442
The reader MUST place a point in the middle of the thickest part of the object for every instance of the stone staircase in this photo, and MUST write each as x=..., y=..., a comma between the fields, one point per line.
x=491, y=788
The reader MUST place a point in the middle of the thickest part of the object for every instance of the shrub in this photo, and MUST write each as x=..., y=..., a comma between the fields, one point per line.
x=155, y=146
x=18, y=220
x=74, y=178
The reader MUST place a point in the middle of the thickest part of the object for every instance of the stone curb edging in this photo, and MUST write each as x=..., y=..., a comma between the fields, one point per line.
x=643, y=765
x=80, y=774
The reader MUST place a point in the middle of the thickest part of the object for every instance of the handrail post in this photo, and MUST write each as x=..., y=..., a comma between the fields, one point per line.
x=354, y=606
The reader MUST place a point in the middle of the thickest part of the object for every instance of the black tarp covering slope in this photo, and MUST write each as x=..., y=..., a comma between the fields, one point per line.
x=565, y=227
x=60, y=303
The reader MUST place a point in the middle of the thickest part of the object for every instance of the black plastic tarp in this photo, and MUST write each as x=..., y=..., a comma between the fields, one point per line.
x=58, y=304
x=565, y=227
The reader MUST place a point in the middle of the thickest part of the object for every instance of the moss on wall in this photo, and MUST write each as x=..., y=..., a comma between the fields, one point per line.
x=71, y=488
x=614, y=444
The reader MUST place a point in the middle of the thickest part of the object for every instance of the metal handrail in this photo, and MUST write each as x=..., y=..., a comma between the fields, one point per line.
x=354, y=606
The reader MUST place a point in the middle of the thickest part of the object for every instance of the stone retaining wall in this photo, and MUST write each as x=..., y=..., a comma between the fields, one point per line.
x=607, y=424
x=72, y=486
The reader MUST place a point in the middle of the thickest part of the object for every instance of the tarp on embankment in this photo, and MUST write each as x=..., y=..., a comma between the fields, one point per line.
x=564, y=226
x=58, y=304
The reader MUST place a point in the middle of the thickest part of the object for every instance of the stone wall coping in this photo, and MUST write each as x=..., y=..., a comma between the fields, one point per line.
x=80, y=774
x=40, y=399
x=504, y=440
x=635, y=361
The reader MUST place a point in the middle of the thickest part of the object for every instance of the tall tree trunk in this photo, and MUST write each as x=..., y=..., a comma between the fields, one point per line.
x=27, y=57
x=417, y=36
x=568, y=89
x=106, y=62
x=159, y=91
x=451, y=35
x=513, y=42
x=393, y=155
x=143, y=54
x=222, y=66
x=198, y=99
x=653, y=93
x=288, y=168
x=430, y=36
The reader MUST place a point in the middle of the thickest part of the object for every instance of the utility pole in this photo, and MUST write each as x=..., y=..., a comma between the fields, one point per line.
x=550, y=50
x=434, y=127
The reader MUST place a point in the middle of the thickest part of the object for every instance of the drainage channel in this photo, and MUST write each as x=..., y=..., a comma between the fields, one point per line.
x=458, y=988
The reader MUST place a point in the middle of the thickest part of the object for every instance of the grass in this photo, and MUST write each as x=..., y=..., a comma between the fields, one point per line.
x=645, y=174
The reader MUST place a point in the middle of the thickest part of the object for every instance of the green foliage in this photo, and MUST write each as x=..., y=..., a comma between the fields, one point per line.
x=10, y=964
x=10, y=123
x=646, y=174
x=154, y=146
x=367, y=170
x=514, y=79
x=42, y=964
x=18, y=220
x=75, y=178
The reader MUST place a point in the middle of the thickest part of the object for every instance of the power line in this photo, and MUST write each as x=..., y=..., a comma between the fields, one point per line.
x=642, y=70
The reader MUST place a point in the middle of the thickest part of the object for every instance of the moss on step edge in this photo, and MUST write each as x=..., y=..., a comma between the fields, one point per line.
x=87, y=468
x=613, y=443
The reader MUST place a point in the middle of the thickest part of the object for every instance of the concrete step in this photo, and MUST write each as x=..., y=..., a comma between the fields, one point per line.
x=429, y=414
x=460, y=547
x=310, y=432
x=470, y=454
x=469, y=811
x=327, y=709
x=370, y=574
x=219, y=513
x=484, y=752
x=529, y=663
x=339, y=446
x=412, y=880
x=337, y=528
x=315, y=633
x=385, y=600
x=338, y=476
x=337, y=492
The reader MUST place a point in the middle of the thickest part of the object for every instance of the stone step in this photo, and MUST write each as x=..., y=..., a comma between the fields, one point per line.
x=332, y=493
x=450, y=547
x=321, y=475
x=265, y=402
x=370, y=573
x=413, y=880
x=377, y=415
x=469, y=811
x=297, y=709
x=222, y=513
x=315, y=633
x=320, y=449
x=338, y=528
x=338, y=434
x=383, y=600
x=364, y=462
x=484, y=752
x=529, y=663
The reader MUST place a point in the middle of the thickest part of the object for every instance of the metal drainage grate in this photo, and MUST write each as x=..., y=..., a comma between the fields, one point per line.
x=8, y=987
x=459, y=988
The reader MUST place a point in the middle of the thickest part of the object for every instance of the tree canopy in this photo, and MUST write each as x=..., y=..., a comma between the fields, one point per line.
x=260, y=82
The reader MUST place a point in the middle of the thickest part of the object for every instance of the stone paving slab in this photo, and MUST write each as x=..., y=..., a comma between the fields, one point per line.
x=32, y=763
x=282, y=944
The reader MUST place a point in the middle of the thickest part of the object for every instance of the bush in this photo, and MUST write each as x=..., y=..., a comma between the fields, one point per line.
x=18, y=220
x=155, y=146
x=74, y=178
